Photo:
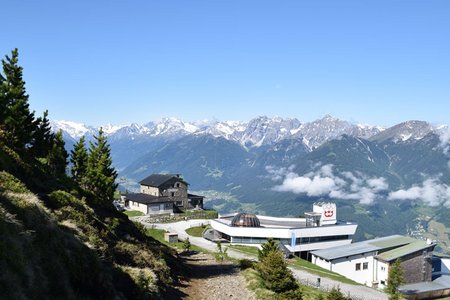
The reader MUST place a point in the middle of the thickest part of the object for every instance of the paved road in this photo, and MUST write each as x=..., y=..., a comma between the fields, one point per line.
x=355, y=291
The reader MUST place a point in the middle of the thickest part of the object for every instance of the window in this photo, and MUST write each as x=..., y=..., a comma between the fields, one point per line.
x=358, y=267
x=365, y=266
x=383, y=268
x=154, y=207
x=173, y=194
x=177, y=184
x=179, y=203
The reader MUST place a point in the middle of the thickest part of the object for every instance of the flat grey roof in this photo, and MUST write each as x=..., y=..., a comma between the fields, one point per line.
x=146, y=198
x=440, y=283
x=363, y=247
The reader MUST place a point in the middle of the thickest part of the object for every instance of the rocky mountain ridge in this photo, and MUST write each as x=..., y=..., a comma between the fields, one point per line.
x=254, y=133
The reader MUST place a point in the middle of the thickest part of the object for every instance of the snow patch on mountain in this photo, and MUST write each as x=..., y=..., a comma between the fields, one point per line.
x=73, y=129
x=405, y=131
x=262, y=130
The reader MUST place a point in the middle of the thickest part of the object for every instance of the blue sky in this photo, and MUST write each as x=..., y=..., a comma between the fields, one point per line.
x=378, y=62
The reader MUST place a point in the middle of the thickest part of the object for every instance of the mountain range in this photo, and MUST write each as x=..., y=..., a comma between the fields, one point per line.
x=280, y=166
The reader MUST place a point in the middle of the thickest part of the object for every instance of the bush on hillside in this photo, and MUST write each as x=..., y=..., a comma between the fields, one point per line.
x=10, y=183
x=58, y=199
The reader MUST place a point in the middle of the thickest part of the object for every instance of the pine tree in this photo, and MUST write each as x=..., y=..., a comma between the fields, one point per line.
x=16, y=118
x=3, y=101
x=57, y=156
x=101, y=175
x=395, y=279
x=42, y=137
x=275, y=274
x=266, y=248
x=79, y=161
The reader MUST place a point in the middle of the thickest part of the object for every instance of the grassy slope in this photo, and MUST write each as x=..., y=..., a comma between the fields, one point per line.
x=62, y=248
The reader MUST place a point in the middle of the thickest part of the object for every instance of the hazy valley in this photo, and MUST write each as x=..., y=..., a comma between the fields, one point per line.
x=389, y=180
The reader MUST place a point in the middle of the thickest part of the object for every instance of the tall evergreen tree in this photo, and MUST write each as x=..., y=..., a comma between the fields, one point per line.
x=101, y=175
x=42, y=137
x=57, y=157
x=395, y=279
x=3, y=101
x=79, y=161
x=17, y=120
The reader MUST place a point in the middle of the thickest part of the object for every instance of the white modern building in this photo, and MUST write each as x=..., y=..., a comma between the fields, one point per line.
x=318, y=230
x=368, y=262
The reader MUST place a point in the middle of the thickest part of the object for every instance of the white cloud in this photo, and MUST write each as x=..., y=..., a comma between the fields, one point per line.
x=444, y=136
x=277, y=174
x=323, y=182
x=432, y=192
x=316, y=186
x=378, y=184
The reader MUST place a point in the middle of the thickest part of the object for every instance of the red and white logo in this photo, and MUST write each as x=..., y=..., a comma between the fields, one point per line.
x=328, y=213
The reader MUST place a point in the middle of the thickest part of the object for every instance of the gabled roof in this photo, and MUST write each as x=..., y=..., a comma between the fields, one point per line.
x=146, y=198
x=404, y=250
x=157, y=180
x=368, y=246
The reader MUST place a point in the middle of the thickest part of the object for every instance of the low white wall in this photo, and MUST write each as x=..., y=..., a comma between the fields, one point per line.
x=347, y=267
x=381, y=275
x=138, y=206
x=445, y=265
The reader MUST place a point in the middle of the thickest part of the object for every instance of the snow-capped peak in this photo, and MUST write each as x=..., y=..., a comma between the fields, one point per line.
x=170, y=126
x=75, y=130
x=257, y=132
x=109, y=129
x=405, y=131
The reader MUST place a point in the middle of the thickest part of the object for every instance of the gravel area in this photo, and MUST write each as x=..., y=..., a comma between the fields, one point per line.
x=209, y=279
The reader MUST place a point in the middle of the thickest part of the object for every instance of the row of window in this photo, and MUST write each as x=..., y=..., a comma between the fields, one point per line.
x=317, y=239
x=365, y=266
x=157, y=207
x=298, y=241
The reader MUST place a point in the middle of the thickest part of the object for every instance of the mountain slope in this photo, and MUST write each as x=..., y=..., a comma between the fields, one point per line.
x=62, y=249
x=206, y=162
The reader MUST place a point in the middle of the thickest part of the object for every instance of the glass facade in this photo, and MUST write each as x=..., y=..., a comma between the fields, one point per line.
x=298, y=241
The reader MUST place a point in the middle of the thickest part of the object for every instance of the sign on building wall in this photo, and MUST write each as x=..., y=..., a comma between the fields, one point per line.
x=327, y=211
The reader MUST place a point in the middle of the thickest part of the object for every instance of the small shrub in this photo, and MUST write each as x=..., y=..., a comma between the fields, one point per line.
x=221, y=253
x=10, y=183
x=246, y=263
x=186, y=245
x=145, y=278
x=336, y=294
x=295, y=294
x=60, y=199
x=140, y=227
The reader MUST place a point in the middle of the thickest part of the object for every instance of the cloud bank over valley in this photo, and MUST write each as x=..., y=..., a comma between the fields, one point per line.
x=355, y=186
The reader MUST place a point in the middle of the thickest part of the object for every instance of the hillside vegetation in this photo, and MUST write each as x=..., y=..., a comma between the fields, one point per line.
x=61, y=238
